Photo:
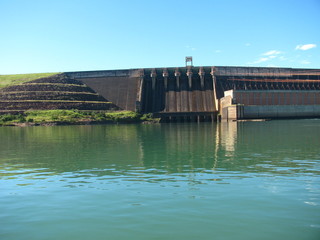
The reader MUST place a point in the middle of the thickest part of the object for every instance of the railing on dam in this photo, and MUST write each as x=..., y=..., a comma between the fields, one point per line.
x=270, y=79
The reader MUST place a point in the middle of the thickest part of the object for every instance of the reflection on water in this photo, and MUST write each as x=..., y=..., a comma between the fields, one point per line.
x=257, y=174
x=277, y=147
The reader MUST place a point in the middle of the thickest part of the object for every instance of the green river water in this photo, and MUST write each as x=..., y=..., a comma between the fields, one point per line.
x=249, y=180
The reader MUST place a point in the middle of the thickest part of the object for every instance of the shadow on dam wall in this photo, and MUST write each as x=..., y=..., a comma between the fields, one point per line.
x=178, y=92
x=166, y=92
x=117, y=86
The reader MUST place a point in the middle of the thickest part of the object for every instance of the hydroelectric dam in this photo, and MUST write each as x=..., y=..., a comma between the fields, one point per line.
x=207, y=93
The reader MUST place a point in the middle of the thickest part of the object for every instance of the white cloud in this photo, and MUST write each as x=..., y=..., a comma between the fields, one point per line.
x=248, y=44
x=191, y=48
x=305, y=62
x=272, y=65
x=263, y=59
x=267, y=56
x=260, y=60
x=305, y=46
x=271, y=52
x=270, y=56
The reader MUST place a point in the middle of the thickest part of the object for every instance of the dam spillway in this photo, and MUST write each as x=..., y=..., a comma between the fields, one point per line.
x=197, y=93
x=178, y=93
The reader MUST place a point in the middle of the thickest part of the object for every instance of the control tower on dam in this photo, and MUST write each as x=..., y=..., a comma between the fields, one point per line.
x=202, y=93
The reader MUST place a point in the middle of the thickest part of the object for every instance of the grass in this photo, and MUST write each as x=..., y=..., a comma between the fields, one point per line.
x=73, y=117
x=9, y=119
x=72, y=101
x=122, y=116
x=40, y=116
x=48, y=92
x=8, y=80
x=55, y=84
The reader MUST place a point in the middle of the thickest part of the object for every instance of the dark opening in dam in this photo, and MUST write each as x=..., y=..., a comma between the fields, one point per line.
x=178, y=94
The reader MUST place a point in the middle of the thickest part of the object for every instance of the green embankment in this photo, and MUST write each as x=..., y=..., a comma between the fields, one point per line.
x=42, y=117
x=8, y=80
x=57, y=91
x=58, y=100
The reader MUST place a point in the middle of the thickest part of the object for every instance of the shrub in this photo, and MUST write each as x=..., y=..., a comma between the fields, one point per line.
x=7, y=117
x=11, y=118
x=147, y=117
x=43, y=116
x=123, y=116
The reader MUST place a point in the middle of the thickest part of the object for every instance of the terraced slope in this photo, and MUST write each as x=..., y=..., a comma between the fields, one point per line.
x=8, y=80
x=55, y=92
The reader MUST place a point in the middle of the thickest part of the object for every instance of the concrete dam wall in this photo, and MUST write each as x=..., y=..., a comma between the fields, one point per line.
x=166, y=92
x=117, y=86
x=193, y=93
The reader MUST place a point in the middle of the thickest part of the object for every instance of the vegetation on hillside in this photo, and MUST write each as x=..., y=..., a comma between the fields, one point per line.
x=43, y=117
x=54, y=92
x=8, y=80
x=53, y=99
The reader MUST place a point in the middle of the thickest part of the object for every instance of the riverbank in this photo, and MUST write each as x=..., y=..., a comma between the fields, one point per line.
x=73, y=117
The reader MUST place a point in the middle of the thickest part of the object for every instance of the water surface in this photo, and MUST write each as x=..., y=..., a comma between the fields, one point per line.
x=252, y=180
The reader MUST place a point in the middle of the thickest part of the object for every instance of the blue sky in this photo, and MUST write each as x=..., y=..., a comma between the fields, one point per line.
x=79, y=35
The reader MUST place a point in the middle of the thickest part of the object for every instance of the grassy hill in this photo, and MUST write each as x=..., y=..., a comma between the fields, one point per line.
x=54, y=98
x=8, y=80
x=55, y=91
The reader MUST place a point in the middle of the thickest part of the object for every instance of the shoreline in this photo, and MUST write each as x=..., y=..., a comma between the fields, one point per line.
x=79, y=123
x=74, y=117
x=65, y=123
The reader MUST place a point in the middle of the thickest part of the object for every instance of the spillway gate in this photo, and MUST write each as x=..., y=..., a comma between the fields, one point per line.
x=178, y=94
